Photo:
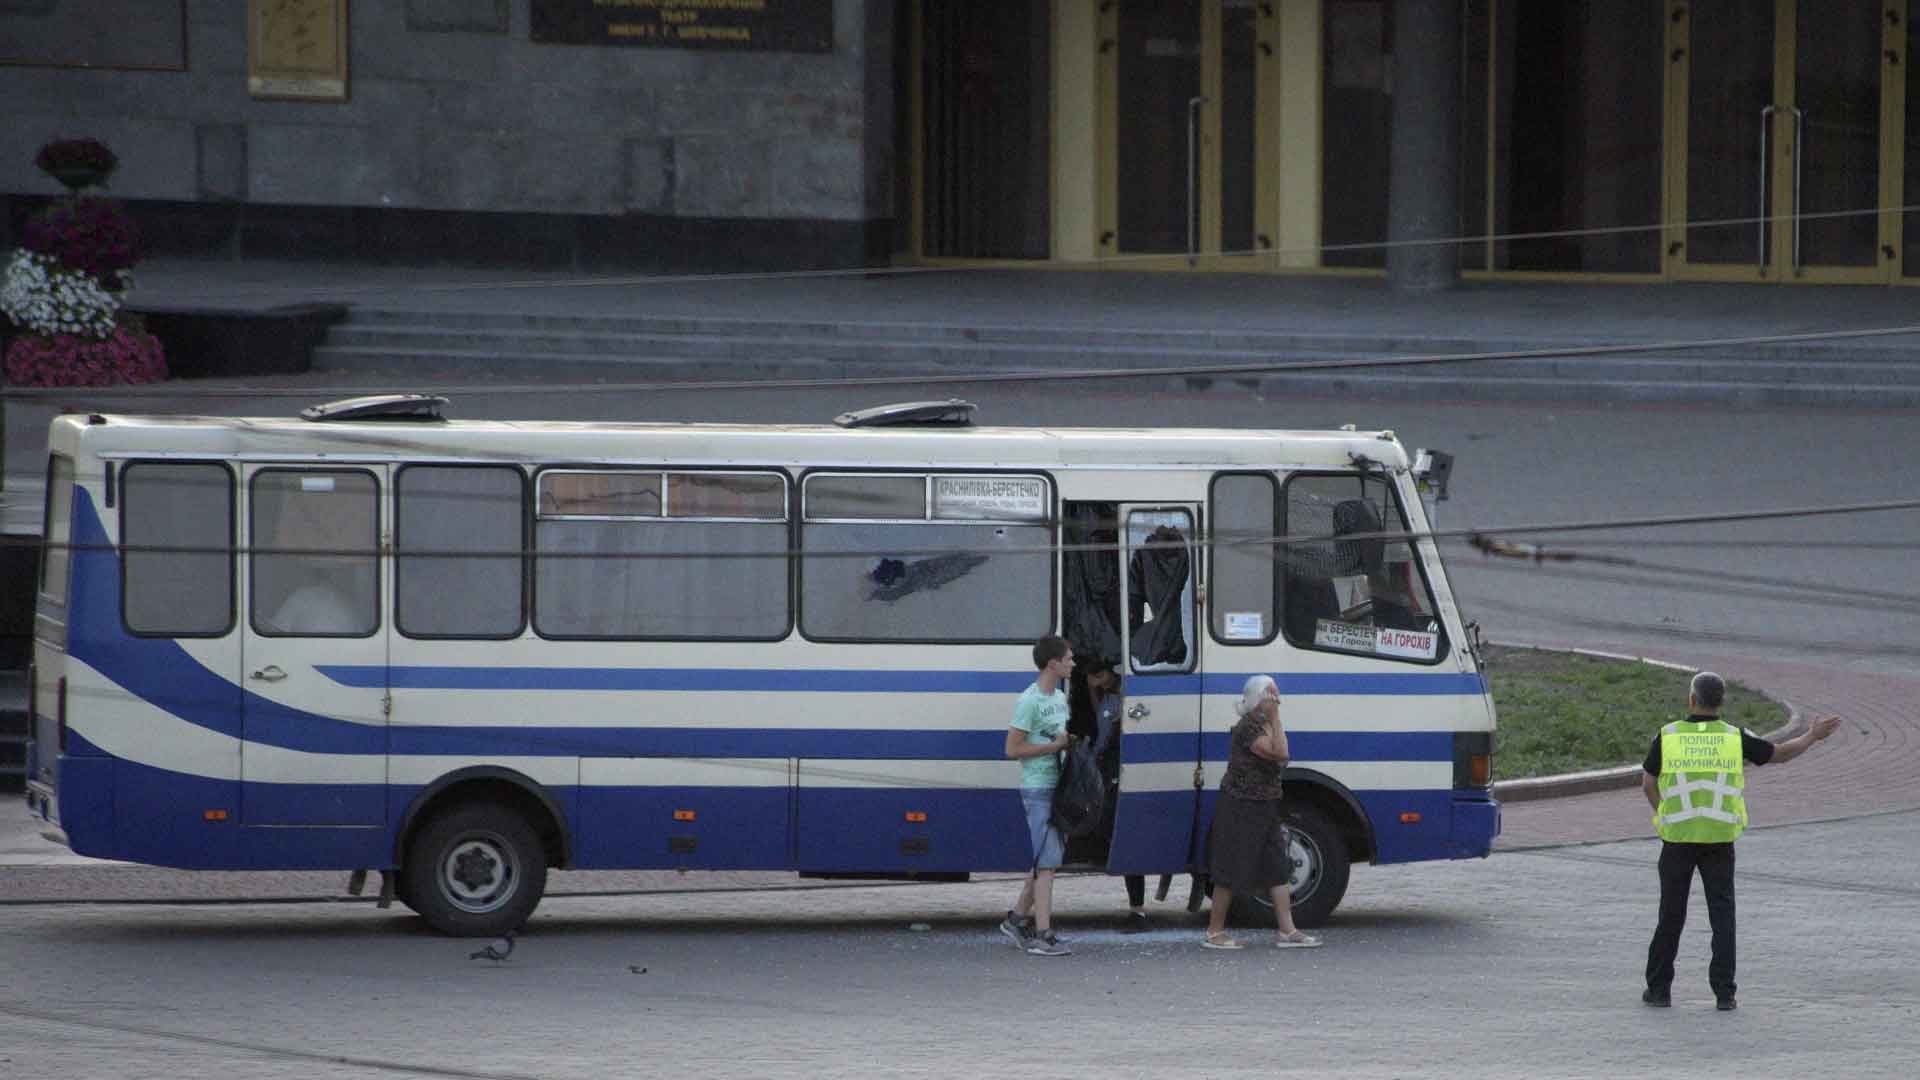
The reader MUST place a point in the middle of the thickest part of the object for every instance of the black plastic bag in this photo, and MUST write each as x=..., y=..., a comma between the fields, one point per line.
x=1080, y=800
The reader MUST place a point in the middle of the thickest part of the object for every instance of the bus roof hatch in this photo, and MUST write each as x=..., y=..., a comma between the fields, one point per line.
x=412, y=407
x=952, y=411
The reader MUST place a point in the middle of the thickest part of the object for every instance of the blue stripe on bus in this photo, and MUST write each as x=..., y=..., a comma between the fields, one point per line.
x=862, y=681
x=119, y=809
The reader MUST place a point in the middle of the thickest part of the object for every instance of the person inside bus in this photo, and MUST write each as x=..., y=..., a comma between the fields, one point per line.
x=1156, y=577
x=1247, y=848
x=1097, y=692
x=1350, y=580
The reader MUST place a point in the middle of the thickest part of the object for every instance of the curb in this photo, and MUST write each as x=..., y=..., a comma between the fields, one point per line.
x=1624, y=776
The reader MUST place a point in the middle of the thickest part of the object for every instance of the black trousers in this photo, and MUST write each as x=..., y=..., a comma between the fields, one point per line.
x=1677, y=864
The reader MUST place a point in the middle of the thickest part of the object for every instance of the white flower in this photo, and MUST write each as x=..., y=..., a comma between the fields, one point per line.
x=46, y=298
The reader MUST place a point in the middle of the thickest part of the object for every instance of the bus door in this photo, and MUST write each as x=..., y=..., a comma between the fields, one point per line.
x=314, y=647
x=1160, y=740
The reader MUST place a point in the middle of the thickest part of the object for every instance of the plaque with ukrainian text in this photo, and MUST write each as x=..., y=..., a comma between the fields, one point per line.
x=297, y=49
x=759, y=25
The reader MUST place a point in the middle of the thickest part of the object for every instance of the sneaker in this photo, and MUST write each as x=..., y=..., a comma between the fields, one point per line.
x=1046, y=943
x=1017, y=929
x=1659, y=999
x=1137, y=923
x=1726, y=1004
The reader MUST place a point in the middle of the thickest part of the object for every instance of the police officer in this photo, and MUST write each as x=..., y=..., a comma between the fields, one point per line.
x=1694, y=779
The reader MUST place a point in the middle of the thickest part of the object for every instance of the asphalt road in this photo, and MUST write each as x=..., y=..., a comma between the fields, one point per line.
x=1523, y=965
x=1843, y=590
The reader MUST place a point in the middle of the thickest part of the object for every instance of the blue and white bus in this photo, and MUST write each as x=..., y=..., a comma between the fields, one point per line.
x=463, y=653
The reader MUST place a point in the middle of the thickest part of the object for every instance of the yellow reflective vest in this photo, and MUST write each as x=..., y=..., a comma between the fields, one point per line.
x=1701, y=781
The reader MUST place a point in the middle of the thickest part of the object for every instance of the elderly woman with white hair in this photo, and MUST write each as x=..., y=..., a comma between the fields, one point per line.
x=1247, y=849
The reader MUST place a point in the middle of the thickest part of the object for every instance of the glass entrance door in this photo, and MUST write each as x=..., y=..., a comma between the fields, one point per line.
x=1784, y=151
x=1182, y=86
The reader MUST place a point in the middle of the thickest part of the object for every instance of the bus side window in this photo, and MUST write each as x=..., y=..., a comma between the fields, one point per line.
x=1347, y=588
x=1243, y=598
x=315, y=537
x=661, y=555
x=942, y=557
x=188, y=591
x=443, y=509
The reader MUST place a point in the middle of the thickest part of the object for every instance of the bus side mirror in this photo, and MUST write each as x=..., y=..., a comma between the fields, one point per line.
x=1432, y=471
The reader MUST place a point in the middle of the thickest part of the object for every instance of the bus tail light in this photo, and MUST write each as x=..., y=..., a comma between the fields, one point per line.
x=60, y=711
x=1481, y=766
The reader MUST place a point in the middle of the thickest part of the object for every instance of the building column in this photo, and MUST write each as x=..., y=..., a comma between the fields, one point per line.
x=1423, y=182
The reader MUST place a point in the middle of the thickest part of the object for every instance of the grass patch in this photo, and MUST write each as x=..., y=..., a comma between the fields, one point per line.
x=1563, y=712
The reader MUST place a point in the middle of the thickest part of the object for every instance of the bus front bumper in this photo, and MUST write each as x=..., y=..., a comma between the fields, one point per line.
x=1476, y=821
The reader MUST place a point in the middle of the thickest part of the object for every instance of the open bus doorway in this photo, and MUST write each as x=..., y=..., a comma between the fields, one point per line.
x=1090, y=606
x=1130, y=601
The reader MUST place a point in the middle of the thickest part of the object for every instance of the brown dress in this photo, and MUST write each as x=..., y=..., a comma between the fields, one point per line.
x=1247, y=848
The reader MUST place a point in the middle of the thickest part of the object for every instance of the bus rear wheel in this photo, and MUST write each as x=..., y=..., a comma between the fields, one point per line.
x=474, y=871
x=1320, y=869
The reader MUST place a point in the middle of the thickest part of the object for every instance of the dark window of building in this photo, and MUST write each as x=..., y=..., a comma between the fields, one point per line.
x=1911, y=243
x=1357, y=119
x=1577, y=134
x=986, y=107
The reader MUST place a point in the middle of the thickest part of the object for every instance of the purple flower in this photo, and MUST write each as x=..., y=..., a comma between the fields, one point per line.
x=93, y=236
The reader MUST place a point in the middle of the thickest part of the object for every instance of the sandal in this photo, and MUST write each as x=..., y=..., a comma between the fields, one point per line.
x=1220, y=941
x=1299, y=939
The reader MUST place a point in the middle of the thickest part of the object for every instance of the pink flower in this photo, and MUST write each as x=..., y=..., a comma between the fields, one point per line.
x=75, y=360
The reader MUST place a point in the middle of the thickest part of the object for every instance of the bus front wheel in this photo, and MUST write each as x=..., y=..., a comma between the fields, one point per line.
x=1320, y=868
x=476, y=870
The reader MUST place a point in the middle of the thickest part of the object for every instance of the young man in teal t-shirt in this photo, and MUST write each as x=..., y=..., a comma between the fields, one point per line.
x=1035, y=739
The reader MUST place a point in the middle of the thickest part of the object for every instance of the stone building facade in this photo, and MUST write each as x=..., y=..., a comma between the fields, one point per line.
x=462, y=139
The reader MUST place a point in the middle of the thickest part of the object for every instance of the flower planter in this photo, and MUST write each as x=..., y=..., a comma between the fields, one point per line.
x=78, y=177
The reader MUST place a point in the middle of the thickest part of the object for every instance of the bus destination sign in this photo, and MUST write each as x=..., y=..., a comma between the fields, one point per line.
x=760, y=25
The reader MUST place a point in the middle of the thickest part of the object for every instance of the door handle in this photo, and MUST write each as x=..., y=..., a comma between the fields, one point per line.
x=1766, y=124
x=1799, y=143
x=270, y=673
x=1193, y=173
x=1138, y=711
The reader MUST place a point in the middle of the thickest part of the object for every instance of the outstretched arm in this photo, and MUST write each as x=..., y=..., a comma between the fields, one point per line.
x=1820, y=729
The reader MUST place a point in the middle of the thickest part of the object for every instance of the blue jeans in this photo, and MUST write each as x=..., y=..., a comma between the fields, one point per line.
x=1048, y=847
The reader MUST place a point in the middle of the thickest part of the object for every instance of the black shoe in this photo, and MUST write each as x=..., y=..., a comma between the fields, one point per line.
x=1137, y=923
x=1659, y=999
x=1726, y=1004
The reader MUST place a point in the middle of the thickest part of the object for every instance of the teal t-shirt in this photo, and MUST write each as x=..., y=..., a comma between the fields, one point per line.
x=1043, y=717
